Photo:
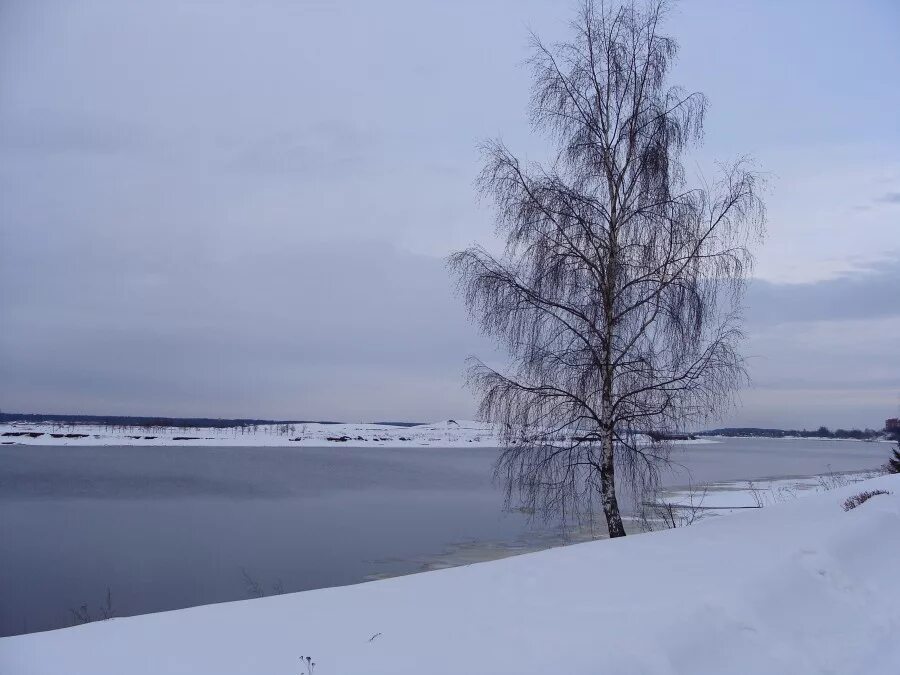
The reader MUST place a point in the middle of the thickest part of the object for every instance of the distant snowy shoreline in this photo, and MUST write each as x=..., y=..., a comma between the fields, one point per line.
x=797, y=438
x=443, y=434
x=448, y=434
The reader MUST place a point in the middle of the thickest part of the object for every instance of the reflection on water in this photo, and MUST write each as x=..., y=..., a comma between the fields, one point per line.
x=163, y=528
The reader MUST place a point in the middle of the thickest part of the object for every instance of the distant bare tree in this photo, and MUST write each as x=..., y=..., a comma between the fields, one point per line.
x=617, y=294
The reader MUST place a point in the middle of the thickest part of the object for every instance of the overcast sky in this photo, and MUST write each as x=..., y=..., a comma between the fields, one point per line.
x=242, y=207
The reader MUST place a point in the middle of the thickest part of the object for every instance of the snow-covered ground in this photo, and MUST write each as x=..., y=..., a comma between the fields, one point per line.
x=445, y=434
x=448, y=434
x=798, y=587
x=715, y=499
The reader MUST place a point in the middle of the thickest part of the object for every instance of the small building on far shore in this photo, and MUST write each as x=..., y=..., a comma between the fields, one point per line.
x=892, y=424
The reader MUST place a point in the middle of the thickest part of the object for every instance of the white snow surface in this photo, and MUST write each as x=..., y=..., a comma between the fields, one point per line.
x=795, y=588
x=446, y=434
x=723, y=498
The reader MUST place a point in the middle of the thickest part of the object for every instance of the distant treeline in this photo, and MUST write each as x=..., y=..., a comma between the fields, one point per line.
x=177, y=422
x=821, y=432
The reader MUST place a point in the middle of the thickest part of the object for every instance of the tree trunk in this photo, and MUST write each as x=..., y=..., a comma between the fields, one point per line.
x=608, y=490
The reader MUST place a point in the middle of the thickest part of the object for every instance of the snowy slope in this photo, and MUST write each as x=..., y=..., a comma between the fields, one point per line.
x=795, y=588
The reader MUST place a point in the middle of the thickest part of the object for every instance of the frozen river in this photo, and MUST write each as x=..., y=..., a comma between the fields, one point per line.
x=168, y=527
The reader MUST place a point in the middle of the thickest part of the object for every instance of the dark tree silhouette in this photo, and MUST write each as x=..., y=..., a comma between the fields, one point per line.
x=893, y=463
x=617, y=294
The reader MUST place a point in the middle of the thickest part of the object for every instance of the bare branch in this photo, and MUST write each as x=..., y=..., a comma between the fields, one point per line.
x=617, y=295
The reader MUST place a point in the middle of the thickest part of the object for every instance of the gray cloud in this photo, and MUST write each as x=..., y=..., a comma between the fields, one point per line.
x=44, y=132
x=322, y=331
x=224, y=208
x=328, y=150
x=867, y=294
x=889, y=198
x=363, y=330
x=824, y=352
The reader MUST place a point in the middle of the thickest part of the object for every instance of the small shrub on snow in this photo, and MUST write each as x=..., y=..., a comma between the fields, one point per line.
x=81, y=615
x=658, y=513
x=856, y=500
x=308, y=664
x=256, y=590
x=831, y=480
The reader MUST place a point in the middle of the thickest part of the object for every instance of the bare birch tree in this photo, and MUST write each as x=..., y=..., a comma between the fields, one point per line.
x=618, y=292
